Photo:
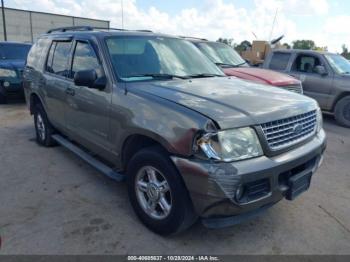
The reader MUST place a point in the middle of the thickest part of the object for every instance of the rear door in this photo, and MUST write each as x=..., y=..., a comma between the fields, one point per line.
x=87, y=114
x=315, y=85
x=57, y=82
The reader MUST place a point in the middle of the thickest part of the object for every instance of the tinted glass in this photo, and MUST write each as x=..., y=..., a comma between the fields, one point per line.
x=306, y=63
x=14, y=52
x=60, y=58
x=84, y=58
x=221, y=53
x=279, y=61
x=134, y=56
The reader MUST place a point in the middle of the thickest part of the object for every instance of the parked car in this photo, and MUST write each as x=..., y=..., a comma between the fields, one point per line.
x=325, y=77
x=12, y=60
x=153, y=110
x=233, y=65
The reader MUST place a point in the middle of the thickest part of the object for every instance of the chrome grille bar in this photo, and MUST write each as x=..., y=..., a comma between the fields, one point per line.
x=286, y=132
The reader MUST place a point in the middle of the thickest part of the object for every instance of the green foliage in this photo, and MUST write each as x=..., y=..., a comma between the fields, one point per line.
x=308, y=45
x=227, y=41
x=345, y=52
x=304, y=44
x=242, y=46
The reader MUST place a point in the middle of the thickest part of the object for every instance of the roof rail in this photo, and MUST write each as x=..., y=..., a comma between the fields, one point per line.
x=192, y=37
x=89, y=28
x=70, y=28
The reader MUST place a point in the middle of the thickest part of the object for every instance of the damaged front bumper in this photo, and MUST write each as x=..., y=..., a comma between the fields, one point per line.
x=224, y=194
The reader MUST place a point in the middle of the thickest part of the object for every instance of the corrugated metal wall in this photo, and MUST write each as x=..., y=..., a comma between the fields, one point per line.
x=26, y=26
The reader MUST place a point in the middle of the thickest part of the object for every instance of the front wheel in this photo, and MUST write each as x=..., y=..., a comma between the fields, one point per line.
x=158, y=194
x=342, y=111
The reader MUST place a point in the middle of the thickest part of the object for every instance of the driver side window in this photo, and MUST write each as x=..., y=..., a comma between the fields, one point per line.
x=306, y=64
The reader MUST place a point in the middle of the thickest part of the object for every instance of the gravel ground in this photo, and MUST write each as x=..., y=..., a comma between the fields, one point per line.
x=51, y=202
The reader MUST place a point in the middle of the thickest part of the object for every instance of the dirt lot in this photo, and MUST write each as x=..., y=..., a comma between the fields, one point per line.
x=53, y=203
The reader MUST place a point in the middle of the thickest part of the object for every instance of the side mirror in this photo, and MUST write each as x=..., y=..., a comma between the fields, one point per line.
x=89, y=78
x=321, y=70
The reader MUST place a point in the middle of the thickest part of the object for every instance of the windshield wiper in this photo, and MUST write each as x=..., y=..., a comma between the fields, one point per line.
x=203, y=75
x=230, y=65
x=157, y=76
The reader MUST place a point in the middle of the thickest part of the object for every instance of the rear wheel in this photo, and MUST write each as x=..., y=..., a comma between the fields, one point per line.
x=157, y=192
x=342, y=111
x=43, y=128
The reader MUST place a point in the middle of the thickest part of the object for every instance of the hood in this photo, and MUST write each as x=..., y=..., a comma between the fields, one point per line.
x=12, y=64
x=261, y=76
x=229, y=102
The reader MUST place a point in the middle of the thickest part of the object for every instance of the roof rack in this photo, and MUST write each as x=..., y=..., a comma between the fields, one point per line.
x=89, y=28
x=192, y=37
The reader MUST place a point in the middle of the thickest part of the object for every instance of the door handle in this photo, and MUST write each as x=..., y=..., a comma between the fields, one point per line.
x=70, y=91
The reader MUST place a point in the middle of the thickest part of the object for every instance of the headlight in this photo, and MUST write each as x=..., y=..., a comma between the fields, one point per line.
x=7, y=73
x=231, y=145
x=319, y=120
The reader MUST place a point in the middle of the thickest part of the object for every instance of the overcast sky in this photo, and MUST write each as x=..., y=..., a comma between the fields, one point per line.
x=324, y=21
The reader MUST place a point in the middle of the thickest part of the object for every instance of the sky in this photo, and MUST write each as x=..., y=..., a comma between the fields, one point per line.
x=324, y=21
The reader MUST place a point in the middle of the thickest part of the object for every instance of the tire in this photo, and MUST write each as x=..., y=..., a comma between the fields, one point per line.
x=43, y=128
x=342, y=111
x=177, y=213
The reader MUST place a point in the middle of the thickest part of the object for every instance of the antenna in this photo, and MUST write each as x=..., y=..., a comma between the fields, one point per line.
x=273, y=24
x=254, y=35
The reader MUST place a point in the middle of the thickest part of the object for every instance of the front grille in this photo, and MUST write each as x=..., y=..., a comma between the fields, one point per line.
x=287, y=132
x=294, y=88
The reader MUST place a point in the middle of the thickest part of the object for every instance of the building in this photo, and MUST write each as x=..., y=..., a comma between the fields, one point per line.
x=26, y=26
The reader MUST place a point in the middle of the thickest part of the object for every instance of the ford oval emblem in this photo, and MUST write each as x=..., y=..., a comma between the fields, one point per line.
x=297, y=129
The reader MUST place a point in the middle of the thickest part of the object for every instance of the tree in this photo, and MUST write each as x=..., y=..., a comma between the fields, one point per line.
x=227, y=41
x=286, y=45
x=308, y=45
x=345, y=52
x=304, y=44
x=243, y=46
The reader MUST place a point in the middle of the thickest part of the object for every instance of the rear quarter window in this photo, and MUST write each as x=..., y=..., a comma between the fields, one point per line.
x=279, y=61
x=36, y=56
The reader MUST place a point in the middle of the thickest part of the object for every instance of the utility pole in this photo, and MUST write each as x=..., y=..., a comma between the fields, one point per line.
x=3, y=19
x=122, y=6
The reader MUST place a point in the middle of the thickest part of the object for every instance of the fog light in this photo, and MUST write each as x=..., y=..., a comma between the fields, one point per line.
x=6, y=84
x=239, y=193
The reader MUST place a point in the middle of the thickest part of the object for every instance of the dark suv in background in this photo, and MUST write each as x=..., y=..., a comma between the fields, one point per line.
x=12, y=59
x=152, y=109
x=325, y=77
x=233, y=64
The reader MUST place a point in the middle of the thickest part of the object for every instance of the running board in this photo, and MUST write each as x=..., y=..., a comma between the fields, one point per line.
x=104, y=169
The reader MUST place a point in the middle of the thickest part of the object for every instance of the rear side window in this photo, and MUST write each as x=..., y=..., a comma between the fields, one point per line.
x=279, y=61
x=36, y=55
x=57, y=61
x=84, y=58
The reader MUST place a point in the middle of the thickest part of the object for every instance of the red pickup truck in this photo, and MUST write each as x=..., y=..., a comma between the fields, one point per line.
x=234, y=65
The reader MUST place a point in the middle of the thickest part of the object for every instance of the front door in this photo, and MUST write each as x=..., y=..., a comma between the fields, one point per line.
x=87, y=115
x=315, y=85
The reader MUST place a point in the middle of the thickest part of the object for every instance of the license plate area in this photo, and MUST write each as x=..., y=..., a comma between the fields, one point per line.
x=298, y=184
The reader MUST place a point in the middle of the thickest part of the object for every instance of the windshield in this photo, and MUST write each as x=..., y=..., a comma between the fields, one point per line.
x=339, y=64
x=14, y=52
x=137, y=58
x=221, y=54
